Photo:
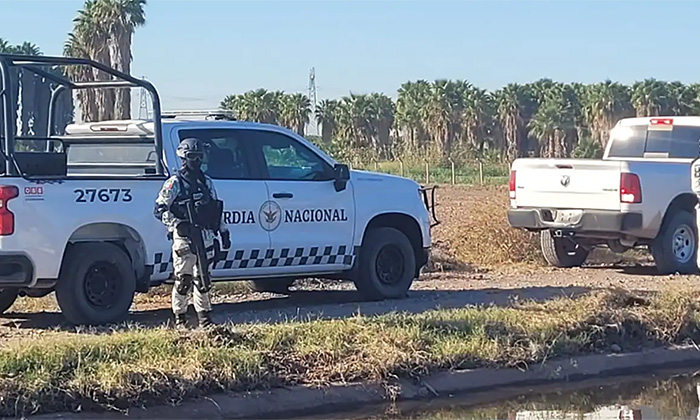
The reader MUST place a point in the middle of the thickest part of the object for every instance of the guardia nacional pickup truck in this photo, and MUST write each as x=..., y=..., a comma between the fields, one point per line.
x=77, y=216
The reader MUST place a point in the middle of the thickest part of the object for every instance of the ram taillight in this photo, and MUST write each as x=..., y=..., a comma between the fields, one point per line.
x=511, y=185
x=7, y=218
x=630, y=188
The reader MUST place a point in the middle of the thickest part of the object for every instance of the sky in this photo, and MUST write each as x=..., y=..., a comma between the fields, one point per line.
x=198, y=51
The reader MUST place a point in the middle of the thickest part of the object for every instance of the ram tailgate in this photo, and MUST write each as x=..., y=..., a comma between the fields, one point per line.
x=566, y=183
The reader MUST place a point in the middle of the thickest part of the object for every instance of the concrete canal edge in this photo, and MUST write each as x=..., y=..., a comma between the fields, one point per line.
x=285, y=402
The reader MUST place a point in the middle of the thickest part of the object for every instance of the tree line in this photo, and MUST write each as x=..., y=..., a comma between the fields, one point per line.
x=455, y=118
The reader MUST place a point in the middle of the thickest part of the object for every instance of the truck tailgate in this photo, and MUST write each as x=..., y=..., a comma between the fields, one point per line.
x=568, y=183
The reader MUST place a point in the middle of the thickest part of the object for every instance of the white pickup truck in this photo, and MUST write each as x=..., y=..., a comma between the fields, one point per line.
x=638, y=194
x=77, y=217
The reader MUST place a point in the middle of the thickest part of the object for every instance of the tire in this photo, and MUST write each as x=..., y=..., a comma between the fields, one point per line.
x=271, y=285
x=7, y=298
x=385, y=245
x=87, y=268
x=561, y=252
x=675, y=248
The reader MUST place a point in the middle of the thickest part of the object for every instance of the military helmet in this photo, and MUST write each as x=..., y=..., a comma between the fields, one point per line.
x=191, y=149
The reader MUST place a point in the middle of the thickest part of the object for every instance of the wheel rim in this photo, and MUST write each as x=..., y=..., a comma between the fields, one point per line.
x=683, y=244
x=389, y=265
x=101, y=284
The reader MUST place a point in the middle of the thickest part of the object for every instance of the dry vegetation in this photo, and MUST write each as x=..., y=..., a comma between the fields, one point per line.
x=149, y=366
x=475, y=233
x=475, y=230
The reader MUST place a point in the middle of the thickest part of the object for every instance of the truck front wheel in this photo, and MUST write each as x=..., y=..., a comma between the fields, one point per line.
x=674, y=249
x=96, y=285
x=561, y=252
x=387, y=265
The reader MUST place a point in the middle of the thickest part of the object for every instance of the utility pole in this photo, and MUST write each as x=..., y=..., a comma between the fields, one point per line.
x=143, y=103
x=312, y=97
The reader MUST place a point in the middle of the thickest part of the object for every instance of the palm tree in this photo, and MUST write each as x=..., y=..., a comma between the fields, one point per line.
x=119, y=19
x=296, y=109
x=89, y=40
x=383, y=121
x=650, y=97
x=511, y=104
x=328, y=115
x=604, y=104
x=412, y=99
x=102, y=32
x=478, y=116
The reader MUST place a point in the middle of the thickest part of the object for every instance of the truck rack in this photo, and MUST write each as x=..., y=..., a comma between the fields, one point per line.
x=213, y=114
x=34, y=64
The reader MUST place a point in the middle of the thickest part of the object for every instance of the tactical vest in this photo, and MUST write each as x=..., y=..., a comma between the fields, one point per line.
x=208, y=211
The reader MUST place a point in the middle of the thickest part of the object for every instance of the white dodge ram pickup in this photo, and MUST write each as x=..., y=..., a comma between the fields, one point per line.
x=78, y=218
x=638, y=194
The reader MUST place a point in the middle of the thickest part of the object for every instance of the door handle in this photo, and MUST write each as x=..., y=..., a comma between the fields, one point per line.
x=283, y=195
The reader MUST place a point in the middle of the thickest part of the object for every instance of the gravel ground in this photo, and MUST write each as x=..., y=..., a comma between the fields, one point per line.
x=458, y=285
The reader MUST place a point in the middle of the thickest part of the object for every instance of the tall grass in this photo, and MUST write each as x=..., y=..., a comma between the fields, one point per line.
x=149, y=366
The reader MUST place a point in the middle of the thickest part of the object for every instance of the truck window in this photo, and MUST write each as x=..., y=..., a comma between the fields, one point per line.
x=111, y=159
x=111, y=153
x=683, y=142
x=628, y=142
x=287, y=159
x=227, y=157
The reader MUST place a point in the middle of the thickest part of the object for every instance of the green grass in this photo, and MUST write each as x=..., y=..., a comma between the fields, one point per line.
x=135, y=366
x=467, y=174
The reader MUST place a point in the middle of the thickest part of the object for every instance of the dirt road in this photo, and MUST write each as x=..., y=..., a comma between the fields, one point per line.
x=311, y=299
x=461, y=284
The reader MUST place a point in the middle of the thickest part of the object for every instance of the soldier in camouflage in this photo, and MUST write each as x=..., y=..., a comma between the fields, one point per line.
x=190, y=181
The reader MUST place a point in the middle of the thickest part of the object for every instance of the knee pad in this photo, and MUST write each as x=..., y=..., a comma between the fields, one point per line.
x=184, y=284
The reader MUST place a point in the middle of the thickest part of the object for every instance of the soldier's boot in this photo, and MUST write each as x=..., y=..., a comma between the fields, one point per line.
x=181, y=320
x=204, y=319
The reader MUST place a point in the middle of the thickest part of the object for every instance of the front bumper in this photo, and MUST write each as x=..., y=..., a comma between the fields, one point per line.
x=16, y=270
x=586, y=221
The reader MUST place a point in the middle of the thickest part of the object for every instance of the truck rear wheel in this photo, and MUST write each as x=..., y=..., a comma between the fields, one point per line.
x=96, y=285
x=271, y=285
x=387, y=265
x=675, y=248
x=561, y=252
x=7, y=299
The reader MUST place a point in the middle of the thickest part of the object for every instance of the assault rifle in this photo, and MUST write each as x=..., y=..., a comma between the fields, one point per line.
x=196, y=237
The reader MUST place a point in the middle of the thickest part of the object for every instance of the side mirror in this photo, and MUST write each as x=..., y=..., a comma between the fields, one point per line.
x=341, y=174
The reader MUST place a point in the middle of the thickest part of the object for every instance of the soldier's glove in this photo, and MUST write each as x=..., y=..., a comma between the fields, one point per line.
x=226, y=239
x=184, y=229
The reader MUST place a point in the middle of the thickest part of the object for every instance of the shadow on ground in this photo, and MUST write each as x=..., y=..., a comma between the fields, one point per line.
x=306, y=305
x=628, y=268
